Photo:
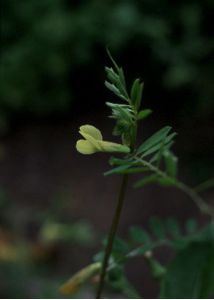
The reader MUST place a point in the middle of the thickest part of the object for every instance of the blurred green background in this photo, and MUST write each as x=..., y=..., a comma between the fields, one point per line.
x=52, y=48
x=52, y=73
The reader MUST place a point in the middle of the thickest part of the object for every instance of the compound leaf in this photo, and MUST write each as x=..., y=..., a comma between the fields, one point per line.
x=154, y=139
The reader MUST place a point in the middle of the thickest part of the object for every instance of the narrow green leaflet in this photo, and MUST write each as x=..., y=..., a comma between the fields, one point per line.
x=118, y=79
x=117, y=170
x=167, y=181
x=171, y=163
x=154, y=139
x=152, y=150
x=146, y=180
x=144, y=114
x=138, y=235
x=170, y=137
x=158, y=150
x=115, y=90
x=134, y=89
x=205, y=185
x=126, y=169
x=173, y=228
x=121, y=111
x=136, y=93
x=111, y=75
x=125, y=123
x=114, y=161
x=136, y=170
x=120, y=248
x=157, y=270
x=118, y=69
x=157, y=227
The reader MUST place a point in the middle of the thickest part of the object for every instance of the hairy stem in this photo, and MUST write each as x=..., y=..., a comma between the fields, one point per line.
x=112, y=234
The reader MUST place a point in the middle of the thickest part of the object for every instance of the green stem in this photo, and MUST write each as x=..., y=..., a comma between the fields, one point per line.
x=205, y=185
x=203, y=206
x=112, y=234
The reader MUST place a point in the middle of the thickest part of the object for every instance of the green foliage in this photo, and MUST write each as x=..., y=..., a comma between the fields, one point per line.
x=146, y=180
x=116, y=81
x=190, y=274
x=155, y=160
x=173, y=227
x=143, y=114
x=125, y=121
x=171, y=163
x=161, y=233
x=153, y=142
x=138, y=235
x=127, y=116
x=154, y=149
x=157, y=227
x=118, y=283
x=136, y=93
x=157, y=270
x=124, y=114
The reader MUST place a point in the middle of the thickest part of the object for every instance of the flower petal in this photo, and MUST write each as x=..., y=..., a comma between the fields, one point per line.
x=92, y=140
x=113, y=147
x=75, y=282
x=85, y=147
x=92, y=131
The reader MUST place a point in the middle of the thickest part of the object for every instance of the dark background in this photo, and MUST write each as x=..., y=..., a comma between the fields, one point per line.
x=54, y=203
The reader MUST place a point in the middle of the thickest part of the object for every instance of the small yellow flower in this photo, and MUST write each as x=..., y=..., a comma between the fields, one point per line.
x=73, y=285
x=93, y=142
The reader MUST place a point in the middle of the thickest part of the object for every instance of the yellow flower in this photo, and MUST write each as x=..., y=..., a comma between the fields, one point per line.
x=93, y=142
x=73, y=285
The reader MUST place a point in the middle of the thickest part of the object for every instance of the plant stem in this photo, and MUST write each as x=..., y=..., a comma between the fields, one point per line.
x=205, y=185
x=112, y=234
x=203, y=206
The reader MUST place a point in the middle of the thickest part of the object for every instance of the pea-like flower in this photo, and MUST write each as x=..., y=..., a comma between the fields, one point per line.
x=93, y=142
x=73, y=285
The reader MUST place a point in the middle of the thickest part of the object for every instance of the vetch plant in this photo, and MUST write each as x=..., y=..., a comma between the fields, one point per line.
x=155, y=160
